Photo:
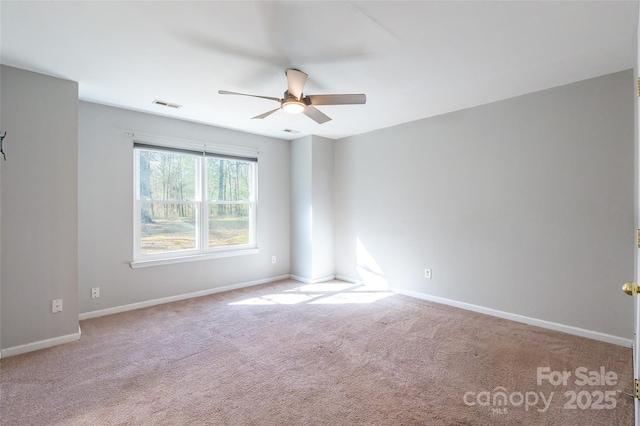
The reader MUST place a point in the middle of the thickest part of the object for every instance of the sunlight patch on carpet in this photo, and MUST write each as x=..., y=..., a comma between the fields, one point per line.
x=324, y=287
x=319, y=294
x=276, y=299
x=360, y=297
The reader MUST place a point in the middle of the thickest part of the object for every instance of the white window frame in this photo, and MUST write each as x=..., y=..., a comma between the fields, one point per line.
x=202, y=152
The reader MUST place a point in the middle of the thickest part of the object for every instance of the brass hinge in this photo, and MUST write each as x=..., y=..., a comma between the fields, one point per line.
x=638, y=238
x=638, y=86
x=636, y=390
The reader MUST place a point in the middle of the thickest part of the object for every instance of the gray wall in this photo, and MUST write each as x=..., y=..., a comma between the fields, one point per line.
x=301, y=199
x=524, y=206
x=39, y=207
x=322, y=190
x=312, y=251
x=1, y=213
x=105, y=199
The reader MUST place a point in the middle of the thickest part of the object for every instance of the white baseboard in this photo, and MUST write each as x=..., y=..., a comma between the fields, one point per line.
x=314, y=280
x=348, y=279
x=146, y=304
x=596, y=335
x=41, y=344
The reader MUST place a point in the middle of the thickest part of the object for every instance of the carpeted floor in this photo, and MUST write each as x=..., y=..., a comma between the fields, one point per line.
x=326, y=354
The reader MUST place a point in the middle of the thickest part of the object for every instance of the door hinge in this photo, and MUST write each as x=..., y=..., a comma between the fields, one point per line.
x=638, y=86
x=638, y=234
x=636, y=388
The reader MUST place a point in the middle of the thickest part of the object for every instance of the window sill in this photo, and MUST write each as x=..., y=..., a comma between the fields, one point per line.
x=194, y=258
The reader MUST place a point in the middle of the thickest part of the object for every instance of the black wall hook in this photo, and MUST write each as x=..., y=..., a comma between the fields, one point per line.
x=1, y=151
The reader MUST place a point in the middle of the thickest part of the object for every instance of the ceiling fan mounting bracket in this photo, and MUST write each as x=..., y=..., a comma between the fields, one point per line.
x=289, y=97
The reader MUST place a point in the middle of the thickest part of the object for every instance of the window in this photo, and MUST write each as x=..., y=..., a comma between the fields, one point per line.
x=192, y=204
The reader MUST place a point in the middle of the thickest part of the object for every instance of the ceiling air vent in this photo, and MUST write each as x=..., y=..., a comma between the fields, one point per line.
x=167, y=104
x=291, y=131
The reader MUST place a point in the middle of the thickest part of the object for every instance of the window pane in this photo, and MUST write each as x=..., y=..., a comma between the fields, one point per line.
x=167, y=176
x=228, y=180
x=228, y=224
x=167, y=227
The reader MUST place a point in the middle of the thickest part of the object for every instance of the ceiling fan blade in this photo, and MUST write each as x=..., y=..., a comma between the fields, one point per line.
x=226, y=92
x=336, y=99
x=296, y=80
x=316, y=115
x=266, y=114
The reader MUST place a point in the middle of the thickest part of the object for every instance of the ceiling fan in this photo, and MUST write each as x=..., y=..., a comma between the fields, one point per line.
x=294, y=101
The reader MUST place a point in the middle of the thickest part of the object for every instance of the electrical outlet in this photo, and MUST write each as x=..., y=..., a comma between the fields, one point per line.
x=273, y=259
x=427, y=274
x=95, y=292
x=56, y=306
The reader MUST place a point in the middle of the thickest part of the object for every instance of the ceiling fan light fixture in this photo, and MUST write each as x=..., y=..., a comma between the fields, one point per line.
x=293, y=107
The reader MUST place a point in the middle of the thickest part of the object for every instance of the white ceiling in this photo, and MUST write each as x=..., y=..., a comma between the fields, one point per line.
x=413, y=59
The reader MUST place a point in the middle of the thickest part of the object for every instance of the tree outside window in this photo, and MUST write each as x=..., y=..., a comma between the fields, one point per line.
x=190, y=202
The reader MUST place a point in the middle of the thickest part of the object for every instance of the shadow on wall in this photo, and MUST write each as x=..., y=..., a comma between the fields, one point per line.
x=369, y=271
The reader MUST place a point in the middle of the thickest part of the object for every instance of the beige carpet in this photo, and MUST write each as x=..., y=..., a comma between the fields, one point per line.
x=294, y=354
